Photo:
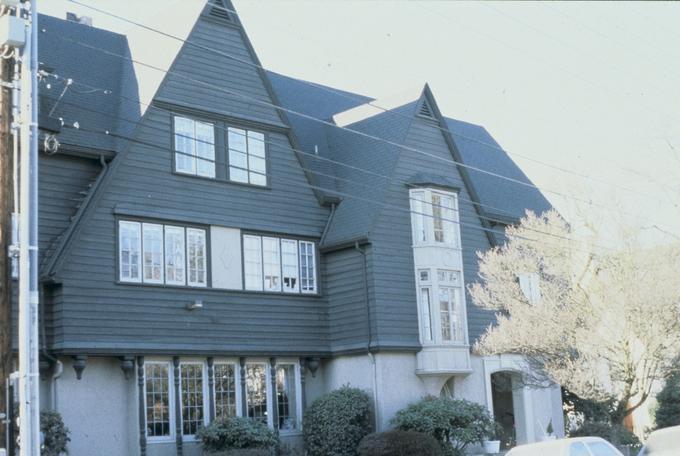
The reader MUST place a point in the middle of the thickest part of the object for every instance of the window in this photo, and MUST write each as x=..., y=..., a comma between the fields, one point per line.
x=194, y=147
x=156, y=254
x=273, y=264
x=286, y=399
x=247, y=157
x=602, y=449
x=130, y=251
x=256, y=391
x=434, y=217
x=578, y=449
x=191, y=384
x=252, y=262
x=289, y=268
x=157, y=389
x=225, y=390
x=440, y=301
x=307, y=267
x=271, y=257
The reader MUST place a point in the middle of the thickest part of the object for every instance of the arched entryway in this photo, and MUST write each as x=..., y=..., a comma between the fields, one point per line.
x=507, y=399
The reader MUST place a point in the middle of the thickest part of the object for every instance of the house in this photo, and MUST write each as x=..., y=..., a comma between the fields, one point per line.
x=250, y=241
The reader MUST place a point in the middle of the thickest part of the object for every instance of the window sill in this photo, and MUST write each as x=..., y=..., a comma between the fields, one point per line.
x=160, y=440
x=293, y=433
x=218, y=290
x=437, y=245
x=162, y=285
x=222, y=180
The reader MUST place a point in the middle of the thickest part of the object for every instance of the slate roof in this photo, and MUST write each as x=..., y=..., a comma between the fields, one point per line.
x=500, y=199
x=89, y=69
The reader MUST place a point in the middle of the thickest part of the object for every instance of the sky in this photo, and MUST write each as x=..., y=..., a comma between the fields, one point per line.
x=583, y=96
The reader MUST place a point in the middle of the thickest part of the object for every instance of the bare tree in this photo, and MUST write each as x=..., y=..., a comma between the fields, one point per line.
x=605, y=324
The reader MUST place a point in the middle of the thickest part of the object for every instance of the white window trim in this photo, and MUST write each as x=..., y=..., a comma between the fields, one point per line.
x=277, y=241
x=315, y=275
x=140, y=261
x=237, y=384
x=268, y=388
x=193, y=158
x=204, y=233
x=206, y=397
x=424, y=214
x=159, y=227
x=298, y=395
x=171, y=402
x=247, y=170
x=182, y=230
x=435, y=315
x=260, y=285
x=296, y=288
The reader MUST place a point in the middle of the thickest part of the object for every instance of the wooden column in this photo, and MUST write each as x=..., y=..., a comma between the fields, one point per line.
x=178, y=408
x=275, y=398
x=141, y=392
x=244, y=401
x=303, y=395
x=211, y=392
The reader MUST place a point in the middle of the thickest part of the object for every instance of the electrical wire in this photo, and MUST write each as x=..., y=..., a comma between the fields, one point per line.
x=363, y=101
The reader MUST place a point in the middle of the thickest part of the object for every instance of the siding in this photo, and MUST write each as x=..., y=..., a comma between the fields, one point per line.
x=96, y=314
x=394, y=271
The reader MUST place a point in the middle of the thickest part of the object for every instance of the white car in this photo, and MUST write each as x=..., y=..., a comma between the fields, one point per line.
x=664, y=442
x=578, y=446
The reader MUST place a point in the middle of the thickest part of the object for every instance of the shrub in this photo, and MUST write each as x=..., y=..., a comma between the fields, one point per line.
x=455, y=423
x=236, y=433
x=336, y=422
x=55, y=433
x=614, y=433
x=668, y=403
x=399, y=443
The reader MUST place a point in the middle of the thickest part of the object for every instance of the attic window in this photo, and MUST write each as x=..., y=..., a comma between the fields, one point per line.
x=425, y=110
x=219, y=11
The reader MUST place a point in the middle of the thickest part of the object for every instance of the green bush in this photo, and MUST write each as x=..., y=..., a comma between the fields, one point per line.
x=236, y=433
x=455, y=423
x=616, y=434
x=668, y=403
x=399, y=443
x=55, y=434
x=336, y=422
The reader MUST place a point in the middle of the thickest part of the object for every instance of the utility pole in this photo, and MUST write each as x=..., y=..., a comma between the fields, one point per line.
x=29, y=374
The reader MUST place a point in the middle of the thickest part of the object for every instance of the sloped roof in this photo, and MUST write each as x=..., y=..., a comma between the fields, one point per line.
x=90, y=69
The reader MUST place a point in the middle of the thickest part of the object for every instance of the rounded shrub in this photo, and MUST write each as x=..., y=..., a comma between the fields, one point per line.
x=55, y=434
x=336, y=422
x=454, y=423
x=236, y=433
x=399, y=443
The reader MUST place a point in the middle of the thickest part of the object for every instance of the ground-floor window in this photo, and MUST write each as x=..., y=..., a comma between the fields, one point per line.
x=270, y=394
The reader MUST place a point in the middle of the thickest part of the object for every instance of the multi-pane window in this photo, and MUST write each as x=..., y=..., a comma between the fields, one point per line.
x=286, y=398
x=130, y=251
x=247, y=161
x=157, y=254
x=256, y=391
x=194, y=147
x=157, y=391
x=273, y=264
x=307, y=267
x=434, y=217
x=191, y=384
x=271, y=258
x=225, y=390
x=440, y=301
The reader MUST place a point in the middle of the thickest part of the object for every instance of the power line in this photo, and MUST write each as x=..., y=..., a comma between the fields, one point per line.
x=331, y=124
x=363, y=101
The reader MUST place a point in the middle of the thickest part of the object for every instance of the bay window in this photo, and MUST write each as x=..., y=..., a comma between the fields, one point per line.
x=279, y=264
x=194, y=147
x=434, y=217
x=160, y=254
x=440, y=289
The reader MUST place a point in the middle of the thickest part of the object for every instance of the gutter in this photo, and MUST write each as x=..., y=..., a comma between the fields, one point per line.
x=49, y=267
x=348, y=244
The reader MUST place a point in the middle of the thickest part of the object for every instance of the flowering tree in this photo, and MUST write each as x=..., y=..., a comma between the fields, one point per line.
x=604, y=324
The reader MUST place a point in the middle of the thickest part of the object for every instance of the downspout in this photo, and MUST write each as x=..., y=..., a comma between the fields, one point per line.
x=371, y=357
x=328, y=225
x=59, y=366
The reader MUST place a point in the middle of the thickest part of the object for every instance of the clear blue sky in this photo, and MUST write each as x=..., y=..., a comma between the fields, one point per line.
x=588, y=87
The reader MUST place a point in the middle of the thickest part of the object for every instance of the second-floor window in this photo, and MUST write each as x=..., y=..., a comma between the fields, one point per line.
x=441, y=309
x=434, y=217
x=194, y=147
x=279, y=265
x=162, y=254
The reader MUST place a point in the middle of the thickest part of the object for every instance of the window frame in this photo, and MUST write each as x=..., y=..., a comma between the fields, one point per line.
x=119, y=246
x=237, y=385
x=194, y=157
x=163, y=223
x=265, y=144
x=423, y=219
x=269, y=419
x=171, y=402
x=298, y=395
x=204, y=391
x=456, y=307
x=314, y=266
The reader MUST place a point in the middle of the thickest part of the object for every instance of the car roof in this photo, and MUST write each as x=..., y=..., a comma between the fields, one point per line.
x=663, y=439
x=533, y=448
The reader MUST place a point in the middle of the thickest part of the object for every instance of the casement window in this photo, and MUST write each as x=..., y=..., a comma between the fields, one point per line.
x=158, y=400
x=130, y=251
x=247, y=160
x=275, y=265
x=225, y=390
x=441, y=309
x=256, y=391
x=286, y=397
x=194, y=147
x=191, y=387
x=162, y=254
x=434, y=217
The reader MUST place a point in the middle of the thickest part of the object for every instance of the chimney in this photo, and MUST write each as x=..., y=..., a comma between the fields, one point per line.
x=85, y=20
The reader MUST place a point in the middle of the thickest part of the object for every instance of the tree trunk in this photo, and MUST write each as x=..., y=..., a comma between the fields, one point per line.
x=5, y=236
